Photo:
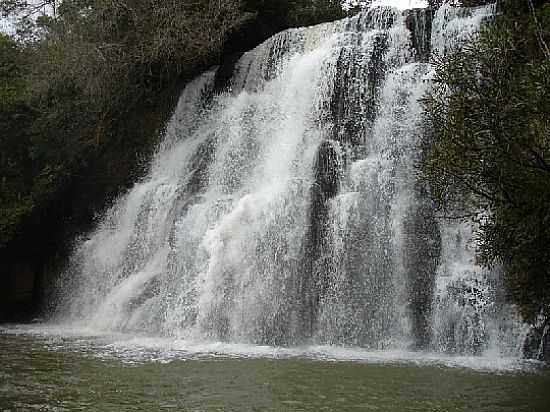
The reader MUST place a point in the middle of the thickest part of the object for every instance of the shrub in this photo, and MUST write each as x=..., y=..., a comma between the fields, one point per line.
x=490, y=154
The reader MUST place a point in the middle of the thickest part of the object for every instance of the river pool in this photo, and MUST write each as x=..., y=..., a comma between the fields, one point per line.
x=52, y=370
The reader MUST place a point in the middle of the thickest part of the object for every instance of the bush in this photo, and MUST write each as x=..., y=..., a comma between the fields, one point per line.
x=14, y=169
x=490, y=154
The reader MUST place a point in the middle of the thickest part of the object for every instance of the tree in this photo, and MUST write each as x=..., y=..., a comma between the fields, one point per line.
x=490, y=154
x=14, y=170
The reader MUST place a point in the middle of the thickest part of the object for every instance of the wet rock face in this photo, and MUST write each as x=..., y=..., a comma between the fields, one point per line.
x=325, y=187
x=222, y=81
x=327, y=176
x=199, y=176
x=419, y=22
x=537, y=342
x=354, y=109
x=423, y=249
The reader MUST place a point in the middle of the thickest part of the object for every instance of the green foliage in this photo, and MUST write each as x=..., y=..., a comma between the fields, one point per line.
x=11, y=85
x=304, y=13
x=10, y=219
x=490, y=153
x=14, y=203
x=293, y=13
x=110, y=54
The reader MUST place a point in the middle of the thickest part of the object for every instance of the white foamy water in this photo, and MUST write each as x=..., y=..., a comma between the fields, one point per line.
x=131, y=349
x=399, y=4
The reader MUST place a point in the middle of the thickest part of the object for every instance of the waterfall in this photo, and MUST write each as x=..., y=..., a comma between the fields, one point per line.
x=283, y=206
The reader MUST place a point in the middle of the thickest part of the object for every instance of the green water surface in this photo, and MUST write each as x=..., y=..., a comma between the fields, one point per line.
x=41, y=375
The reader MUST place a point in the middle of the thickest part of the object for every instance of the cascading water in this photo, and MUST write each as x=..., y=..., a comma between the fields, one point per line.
x=283, y=207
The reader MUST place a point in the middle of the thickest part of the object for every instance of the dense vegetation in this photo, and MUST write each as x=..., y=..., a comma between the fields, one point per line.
x=75, y=89
x=490, y=158
x=13, y=164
